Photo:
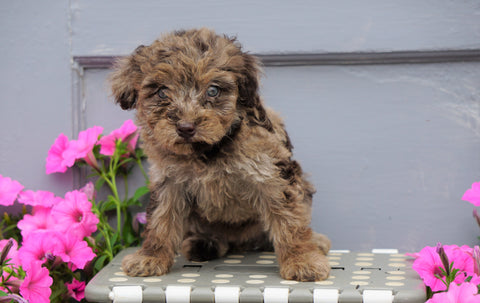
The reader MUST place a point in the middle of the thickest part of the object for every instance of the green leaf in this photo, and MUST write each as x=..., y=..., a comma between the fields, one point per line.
x=114, y=239
x=117, y=248
x=58, y=290
x=110, y=204
x=98, y=238
x=125, y=161
x=99, y=183
x=429, y=293
x=129, y=234
x=100, y=262
x=140, y=192
x=131, y=202
x=139, y=154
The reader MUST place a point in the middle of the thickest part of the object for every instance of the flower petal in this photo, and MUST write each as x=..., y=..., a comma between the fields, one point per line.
x=9, y=190
x=472, y=195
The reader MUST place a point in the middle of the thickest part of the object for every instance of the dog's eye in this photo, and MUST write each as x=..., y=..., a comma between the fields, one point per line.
x=162, y=93
x=213, y=91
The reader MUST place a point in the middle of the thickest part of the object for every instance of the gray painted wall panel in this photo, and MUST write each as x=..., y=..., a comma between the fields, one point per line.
x=390, y=148
x=281, y=26
x=35, y=90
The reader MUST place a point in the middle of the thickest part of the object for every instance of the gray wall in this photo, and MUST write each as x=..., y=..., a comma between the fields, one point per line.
x=390, y=148
x=35, y=89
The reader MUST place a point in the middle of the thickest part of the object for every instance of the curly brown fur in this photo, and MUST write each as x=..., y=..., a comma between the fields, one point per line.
x=222, y=173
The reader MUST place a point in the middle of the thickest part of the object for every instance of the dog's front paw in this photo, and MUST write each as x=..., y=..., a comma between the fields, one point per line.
x=306, y=267
x=139, y=265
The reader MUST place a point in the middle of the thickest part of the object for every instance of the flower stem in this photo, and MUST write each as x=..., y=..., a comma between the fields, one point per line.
x=104, y=228
x=139, y=162
x=125, y=179
x=112, y=184
x=118, y=205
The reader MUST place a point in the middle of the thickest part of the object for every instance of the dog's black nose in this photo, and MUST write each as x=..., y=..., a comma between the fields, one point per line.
x=186, y=129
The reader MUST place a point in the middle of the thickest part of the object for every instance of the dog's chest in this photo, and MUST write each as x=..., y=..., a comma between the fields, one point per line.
x=230, y=193
x=224, y=198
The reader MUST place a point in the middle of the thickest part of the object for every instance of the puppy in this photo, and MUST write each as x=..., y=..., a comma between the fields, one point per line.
x=222, y=177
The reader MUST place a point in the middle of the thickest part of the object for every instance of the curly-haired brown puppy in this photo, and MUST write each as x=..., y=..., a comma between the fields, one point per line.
x=222, y=174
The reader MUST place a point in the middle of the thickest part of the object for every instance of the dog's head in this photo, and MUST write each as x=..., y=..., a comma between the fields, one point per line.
x=190, y=89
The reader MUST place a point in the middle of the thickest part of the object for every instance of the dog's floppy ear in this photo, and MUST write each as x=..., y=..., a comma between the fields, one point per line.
x=126, y=79
x=249, y=97
x=249, y=82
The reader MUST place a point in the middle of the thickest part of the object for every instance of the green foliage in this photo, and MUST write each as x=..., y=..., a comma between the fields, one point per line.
x=111, y=240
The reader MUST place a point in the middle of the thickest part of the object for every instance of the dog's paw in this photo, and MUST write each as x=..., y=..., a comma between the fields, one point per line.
x=306, y=267
x=138, y=265
x=322, y=241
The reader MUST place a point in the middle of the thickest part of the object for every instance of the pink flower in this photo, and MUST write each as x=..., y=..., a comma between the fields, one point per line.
x=475, y=279
x=75, y=213
x=76, y=289
x=38, y=198
x=12, y=253
x=472, y=195
x=463, y=293
x=9, y=190
x=140, y=218
x=126, y=133
x=36, y=286
x=38, y=246
x=428, y=265
x=40, y=220
x=89, y=190
x=82, y=148
x=56, y=161
x=74, y=250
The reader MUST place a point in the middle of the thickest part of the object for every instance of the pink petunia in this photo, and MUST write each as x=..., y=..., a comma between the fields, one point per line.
x=89, y=190
x=38, y=246
x=428, y=265
x=38, y=198
x=74, y=213
x=76, y=289
x=472, y=195
x=56, y=161
x=74, y=250
x=36, y=286
x=463, y=293
x=40, y=220
x=84, y=144
x=126, y=133
x=82, y=148
x=140, y=218
x=9, y=190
